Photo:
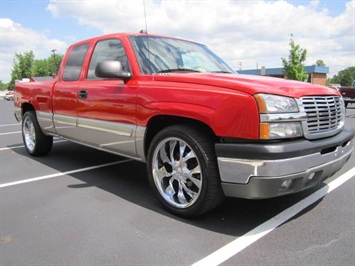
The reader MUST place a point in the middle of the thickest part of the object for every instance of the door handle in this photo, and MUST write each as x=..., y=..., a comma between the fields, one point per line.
x=83, y=94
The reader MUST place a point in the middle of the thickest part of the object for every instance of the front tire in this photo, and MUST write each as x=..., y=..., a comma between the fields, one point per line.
x=182, y=169
x=36, y=142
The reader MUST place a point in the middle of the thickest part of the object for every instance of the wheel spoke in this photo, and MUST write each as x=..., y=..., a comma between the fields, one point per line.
x=181, y=195
x=189, y=192
x=172, y=145
x=162, y=172
x=188, y=156
x=196, y=181
x=196, y=170
x=163, y=156
x=170, y=191
x=182, y=149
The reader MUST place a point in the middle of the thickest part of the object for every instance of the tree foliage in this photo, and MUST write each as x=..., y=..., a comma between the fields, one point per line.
x=3, y=86
x=320, y=62
x=26, y=66
x=293, y=66
x=22, y=67
x=345, y=77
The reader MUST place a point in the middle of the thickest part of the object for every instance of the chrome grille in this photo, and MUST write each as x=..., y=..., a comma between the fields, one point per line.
x=325, y=115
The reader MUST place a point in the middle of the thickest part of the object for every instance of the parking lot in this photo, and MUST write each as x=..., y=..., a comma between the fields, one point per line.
x=80, y=206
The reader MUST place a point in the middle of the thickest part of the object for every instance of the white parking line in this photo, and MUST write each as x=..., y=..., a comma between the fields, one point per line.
x=22, y=146
x=12, y=148
x=9, y=125
x=9, y=133
x=242, y=242
x=62, y=173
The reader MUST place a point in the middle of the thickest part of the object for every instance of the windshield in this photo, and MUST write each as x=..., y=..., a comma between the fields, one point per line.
x=163, y=55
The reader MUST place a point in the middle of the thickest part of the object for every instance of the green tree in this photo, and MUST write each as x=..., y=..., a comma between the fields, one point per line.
x=46, y=67
x=26, y=66
x=320, y=62
x=41, y=68
x=22, y=67
x=345, y=77
x=293, y=66
x=3, y=86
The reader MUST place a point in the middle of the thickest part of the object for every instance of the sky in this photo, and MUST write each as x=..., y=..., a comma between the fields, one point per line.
x=246, y=33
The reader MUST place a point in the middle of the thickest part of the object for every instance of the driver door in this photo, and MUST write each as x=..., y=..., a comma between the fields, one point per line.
x=107, y=107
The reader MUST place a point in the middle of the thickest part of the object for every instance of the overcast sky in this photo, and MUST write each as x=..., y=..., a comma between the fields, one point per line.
x=245, y=33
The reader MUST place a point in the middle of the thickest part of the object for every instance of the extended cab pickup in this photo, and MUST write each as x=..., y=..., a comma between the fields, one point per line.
x=204, y=131
x=348, y=93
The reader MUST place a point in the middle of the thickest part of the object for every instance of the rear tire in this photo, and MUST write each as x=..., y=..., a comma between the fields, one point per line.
x=36, y=142
x=183, y=172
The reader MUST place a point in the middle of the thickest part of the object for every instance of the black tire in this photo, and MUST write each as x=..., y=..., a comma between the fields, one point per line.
x=183, y=170
x=36, y=142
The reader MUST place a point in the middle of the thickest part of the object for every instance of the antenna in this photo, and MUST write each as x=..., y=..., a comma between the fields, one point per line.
x=145, y=18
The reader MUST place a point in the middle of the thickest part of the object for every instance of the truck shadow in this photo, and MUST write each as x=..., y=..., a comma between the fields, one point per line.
x=128, y=180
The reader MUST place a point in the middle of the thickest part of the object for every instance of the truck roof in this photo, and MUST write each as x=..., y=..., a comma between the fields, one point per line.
x=125, y=34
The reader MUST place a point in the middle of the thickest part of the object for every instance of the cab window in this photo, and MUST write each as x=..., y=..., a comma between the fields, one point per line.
x=110, y=49
x=72, y=68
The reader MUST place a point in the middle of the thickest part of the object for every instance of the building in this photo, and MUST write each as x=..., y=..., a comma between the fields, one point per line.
x=316, y=74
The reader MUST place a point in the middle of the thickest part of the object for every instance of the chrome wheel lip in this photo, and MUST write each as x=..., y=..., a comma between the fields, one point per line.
x=176, y=180
x=29, y=134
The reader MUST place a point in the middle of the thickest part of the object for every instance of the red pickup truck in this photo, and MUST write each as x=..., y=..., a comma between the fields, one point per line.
x=204, y=131
x=348, y=94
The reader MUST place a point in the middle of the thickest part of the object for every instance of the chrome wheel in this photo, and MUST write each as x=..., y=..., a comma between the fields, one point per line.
x=183, y=171
x=36, y=142
x=177, y=172
x=29, y=134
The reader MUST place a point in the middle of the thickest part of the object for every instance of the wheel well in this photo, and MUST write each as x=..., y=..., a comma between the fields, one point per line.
x=27, y=107
x=160, y=122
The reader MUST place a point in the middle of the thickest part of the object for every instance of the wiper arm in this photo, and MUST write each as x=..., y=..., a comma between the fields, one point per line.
x=169, y=70
x=221, y=71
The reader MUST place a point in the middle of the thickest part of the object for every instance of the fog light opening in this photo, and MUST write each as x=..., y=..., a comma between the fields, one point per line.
x=310, y=177
x=286, y=184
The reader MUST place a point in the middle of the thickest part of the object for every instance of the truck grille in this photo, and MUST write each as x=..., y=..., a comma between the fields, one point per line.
x=325, y=115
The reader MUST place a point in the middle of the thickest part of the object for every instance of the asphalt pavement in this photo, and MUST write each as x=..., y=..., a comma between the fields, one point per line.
x=80, y=206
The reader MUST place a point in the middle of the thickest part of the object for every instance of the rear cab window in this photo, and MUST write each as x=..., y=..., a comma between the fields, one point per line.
x=74, y=63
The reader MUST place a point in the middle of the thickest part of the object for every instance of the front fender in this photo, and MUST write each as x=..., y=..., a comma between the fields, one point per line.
x=232, y=116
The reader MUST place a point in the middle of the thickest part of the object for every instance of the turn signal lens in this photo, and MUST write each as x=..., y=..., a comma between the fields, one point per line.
x=264, y=131
x=280, y=130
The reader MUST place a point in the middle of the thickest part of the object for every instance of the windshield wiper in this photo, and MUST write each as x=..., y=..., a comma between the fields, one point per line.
x=222, y=71
x=169, y=70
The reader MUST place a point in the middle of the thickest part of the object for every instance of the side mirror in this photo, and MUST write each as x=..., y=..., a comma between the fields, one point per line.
x=111, y=69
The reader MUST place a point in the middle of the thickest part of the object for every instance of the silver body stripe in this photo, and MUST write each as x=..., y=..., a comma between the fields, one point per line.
x=118, y=138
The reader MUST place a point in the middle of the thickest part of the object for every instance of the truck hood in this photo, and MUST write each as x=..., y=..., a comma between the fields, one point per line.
x=249, y=84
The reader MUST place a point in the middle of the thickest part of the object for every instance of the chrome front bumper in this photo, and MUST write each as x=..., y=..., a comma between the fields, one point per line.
x=260, y=170
x=349, y=99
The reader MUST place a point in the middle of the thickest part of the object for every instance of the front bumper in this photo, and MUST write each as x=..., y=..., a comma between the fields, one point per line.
x=258, y=171
x=349, y=99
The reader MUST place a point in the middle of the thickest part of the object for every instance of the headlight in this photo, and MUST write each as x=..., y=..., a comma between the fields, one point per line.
x=269, y=104
x=278, y=119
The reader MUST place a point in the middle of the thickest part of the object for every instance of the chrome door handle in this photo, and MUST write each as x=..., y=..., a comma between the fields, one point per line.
x=83, y=94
